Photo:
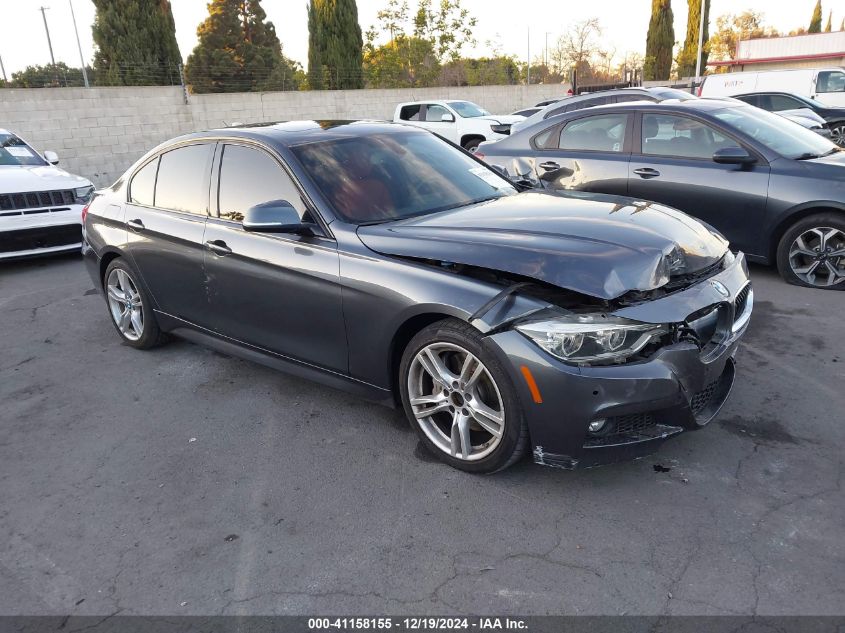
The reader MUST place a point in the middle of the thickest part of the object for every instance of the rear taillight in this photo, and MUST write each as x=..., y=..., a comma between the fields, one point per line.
x=85, y=212
x=478, y=155
x=698, y=92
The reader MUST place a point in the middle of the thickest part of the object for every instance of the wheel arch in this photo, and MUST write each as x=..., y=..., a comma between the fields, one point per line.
x=407, y=330
x=106, y=258
x=472, y=136
x=796, y=214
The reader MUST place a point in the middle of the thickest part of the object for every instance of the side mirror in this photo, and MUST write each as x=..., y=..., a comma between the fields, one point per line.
x=448, y=117
x=275, y=216
x=51, y=157
x=733, y=156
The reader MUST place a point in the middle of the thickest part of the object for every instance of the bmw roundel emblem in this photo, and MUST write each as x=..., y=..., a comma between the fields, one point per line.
x=721, y=288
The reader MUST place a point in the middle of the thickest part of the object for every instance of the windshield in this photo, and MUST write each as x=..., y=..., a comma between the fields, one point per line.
x=383, y=177
x=777, y=133
x=13, y=151
x=467, y=109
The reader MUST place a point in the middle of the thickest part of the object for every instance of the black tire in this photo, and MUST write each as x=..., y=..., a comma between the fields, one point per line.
x=837, y=132
x=514, y=437
x=828, y=221
x=151, y=335
x=472, y=144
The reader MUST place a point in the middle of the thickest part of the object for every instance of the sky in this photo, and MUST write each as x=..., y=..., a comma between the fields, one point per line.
x=500, y=22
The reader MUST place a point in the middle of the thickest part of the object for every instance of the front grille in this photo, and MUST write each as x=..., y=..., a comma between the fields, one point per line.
x=35, y=199
x=702, y=398
x=46, y=237
x=741, y=300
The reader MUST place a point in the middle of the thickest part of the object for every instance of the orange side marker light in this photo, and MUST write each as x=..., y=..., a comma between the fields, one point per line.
x=532, y=384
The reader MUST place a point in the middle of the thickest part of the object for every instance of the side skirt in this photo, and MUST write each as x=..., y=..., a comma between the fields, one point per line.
x=183, y=329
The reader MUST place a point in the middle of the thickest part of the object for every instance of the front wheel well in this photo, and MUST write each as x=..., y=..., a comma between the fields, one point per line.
x=787, y=223
x=402, y=337
x=466, y=138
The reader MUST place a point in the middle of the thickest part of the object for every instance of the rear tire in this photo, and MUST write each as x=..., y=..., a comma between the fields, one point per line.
x=130, y=307
x=812, y=252
x=837, y=133
x=460, y=399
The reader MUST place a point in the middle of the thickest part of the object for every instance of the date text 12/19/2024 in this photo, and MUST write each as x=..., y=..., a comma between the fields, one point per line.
x=418, y=624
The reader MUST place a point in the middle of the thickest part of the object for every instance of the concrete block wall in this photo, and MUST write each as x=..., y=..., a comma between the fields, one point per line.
x=99, y=132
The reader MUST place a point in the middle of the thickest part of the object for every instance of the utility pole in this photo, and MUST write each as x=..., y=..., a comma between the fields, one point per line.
x=3, y=68
x=47, y=29
x=78, y=45
x=700, y=40
x=528, y=76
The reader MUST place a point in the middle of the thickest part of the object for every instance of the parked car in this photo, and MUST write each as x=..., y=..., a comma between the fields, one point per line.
x=785, y=102
x=383, y=260
x=826, y=85
x=526, y=112
x=603, y=97
x=462, y=122
x=776, y=190
x=40, y=204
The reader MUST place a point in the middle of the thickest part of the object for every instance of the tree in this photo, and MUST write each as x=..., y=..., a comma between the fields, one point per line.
x=448, y=27
x=829, y=26
x=730, y=29
x=48, y=76
x=578, y=49
x=816, y=20
x=334, y=45
x=688, y=58
x=238, y=50
x=135, y=43
x=403, y=61
x=659, y=41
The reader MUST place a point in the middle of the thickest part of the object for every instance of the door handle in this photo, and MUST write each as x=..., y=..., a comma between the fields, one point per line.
x=549, y=165
x=219, y=247
x=135, y=225
x=646, y=172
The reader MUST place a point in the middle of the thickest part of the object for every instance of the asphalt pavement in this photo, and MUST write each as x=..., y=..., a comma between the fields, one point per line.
x=182, y=481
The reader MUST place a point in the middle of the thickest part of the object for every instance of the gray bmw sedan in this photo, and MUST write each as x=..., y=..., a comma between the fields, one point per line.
x=385, y=261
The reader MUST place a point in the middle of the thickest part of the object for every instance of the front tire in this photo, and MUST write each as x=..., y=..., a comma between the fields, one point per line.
x=812, y=252
x=837, y=133
x=130, y=307
x=472, y=144
x=460, y=400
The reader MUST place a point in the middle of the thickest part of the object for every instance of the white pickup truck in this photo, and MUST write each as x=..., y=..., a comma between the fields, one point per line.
x=461, y=122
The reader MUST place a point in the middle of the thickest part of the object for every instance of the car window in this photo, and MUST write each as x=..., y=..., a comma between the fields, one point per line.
x=830, y=81
x=250, y=176
x=782, y=102
x=410, y=112
x=772, y=130
x=682, y=137
x=435, y=113
x=13, y=151
x=142, y=186
x=182, y=183
x=467, y=109
x=633, y=97
x=754, y=100
x=605, y=133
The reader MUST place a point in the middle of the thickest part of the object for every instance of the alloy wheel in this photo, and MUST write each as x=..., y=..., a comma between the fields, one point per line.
x=456, y=401
x=837, y=134
x=125, y=305
x=817, y=256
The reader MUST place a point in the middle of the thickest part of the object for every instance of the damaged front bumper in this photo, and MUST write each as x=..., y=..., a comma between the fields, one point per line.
x=638, y=405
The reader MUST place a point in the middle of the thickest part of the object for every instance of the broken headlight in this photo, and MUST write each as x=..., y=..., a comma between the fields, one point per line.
x=585, y=339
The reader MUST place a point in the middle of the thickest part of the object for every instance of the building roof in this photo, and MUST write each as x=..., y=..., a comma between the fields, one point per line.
x=812, y=46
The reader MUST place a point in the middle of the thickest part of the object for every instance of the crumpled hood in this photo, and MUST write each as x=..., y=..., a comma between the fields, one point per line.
x=21, y=178
x=599, y=245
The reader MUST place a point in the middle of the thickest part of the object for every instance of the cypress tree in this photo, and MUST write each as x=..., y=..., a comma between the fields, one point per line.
x=238, y=50
x=689, y=55
x=334, y=45
x=135, y=43
x=829, y=26
x=659, y=41
x=816, y=20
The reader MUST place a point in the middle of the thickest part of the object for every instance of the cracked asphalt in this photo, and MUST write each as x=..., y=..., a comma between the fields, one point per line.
x=181, y=481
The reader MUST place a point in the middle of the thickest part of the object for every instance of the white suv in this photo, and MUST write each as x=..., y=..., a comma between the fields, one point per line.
x=461, y=122
x=40, y=204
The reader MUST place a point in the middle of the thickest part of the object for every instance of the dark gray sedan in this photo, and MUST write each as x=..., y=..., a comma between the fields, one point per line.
x=383, y=260
x=775, y=189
